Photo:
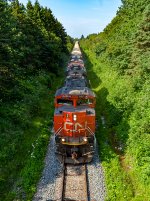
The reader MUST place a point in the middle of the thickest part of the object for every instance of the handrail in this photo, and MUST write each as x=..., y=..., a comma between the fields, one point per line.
x=59, y=130
x=90, y=130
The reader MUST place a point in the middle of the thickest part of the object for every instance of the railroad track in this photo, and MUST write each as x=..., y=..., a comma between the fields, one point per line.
x=74, y=185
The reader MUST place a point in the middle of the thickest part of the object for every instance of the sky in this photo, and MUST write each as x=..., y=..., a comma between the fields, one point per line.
x=82, y=16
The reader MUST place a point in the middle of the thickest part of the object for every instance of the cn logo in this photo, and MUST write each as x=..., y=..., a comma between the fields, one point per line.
x=77, y=126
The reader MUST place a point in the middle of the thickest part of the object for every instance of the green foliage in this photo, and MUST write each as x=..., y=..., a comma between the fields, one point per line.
x=30, y=173
x=120, y=61
x=70, y=43
x=33, y=51
x=19, y=131
x=31, y=40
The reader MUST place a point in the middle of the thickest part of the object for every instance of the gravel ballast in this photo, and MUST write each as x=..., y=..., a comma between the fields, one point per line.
x=50, y=184
x=46, y=186
x=96, y=184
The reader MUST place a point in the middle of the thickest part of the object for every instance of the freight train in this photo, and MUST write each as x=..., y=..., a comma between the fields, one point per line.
x=74, y=115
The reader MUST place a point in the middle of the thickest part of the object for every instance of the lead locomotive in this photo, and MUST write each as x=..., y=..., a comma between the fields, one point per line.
x=74, y=116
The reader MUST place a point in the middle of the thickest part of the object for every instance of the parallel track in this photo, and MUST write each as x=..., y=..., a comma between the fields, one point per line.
x=75, y=187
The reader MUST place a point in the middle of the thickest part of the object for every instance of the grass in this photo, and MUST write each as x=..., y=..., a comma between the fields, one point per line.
x=126, y=179
x=118, y=182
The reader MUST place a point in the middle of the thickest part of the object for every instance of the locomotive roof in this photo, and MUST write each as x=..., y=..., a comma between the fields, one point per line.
x=76, y=81
x=75, y=91
x=76, y=68
x=79, y=78
x=76, y=61
x=76, y=72
x=76, y=56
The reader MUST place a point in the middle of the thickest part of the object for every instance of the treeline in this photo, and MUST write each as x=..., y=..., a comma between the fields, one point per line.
x=120, y=63
x=31, y=39
x=33, y=50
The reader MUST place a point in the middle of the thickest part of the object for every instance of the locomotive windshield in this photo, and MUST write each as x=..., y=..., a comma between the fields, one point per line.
x=84, y=102
x=64, y=102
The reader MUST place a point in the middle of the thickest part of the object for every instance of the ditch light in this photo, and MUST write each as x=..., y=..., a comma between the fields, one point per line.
x=75, y=117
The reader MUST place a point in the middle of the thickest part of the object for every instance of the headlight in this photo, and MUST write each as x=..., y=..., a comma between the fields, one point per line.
x=63, y=139
x=75, y=117
x=85, y=139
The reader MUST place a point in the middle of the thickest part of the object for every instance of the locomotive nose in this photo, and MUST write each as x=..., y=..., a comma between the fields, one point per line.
x=74, y=124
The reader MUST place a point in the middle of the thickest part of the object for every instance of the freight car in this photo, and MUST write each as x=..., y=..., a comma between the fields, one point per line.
x=74, y=117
